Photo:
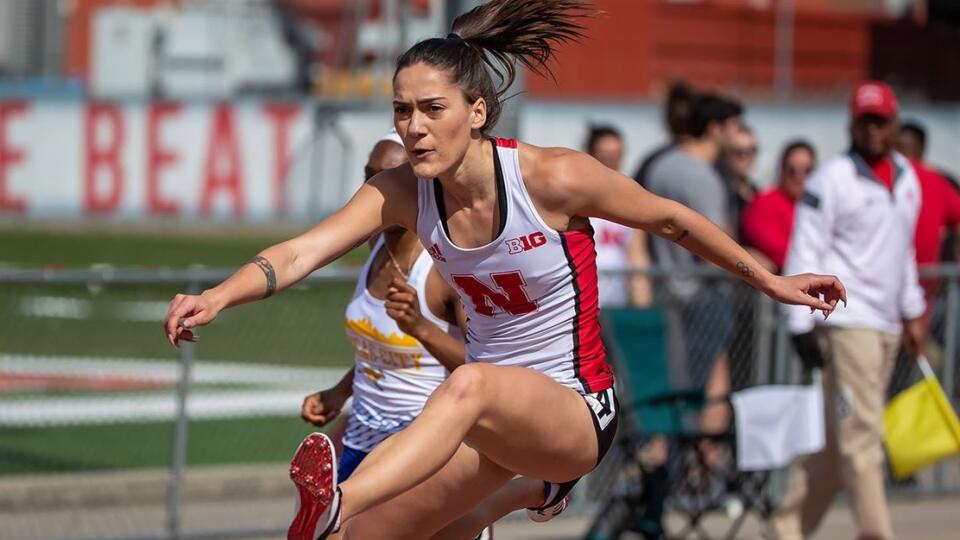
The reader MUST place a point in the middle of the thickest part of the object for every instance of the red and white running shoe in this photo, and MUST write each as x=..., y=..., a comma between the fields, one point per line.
x=314, y=471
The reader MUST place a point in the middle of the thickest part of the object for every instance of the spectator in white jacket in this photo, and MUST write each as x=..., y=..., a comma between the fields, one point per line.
x=856, y=220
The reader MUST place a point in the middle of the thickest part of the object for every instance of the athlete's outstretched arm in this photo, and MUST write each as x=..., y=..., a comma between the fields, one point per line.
x=597, y=191
x=284, y=264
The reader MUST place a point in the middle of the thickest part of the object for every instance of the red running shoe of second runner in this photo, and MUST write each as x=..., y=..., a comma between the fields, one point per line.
x=314, y=471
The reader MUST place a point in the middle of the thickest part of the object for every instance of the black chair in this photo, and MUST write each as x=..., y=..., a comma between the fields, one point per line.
x=695, y=476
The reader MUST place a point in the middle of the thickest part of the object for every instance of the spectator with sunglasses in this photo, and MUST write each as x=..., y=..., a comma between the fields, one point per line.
x=737, y=158
x=768, y=220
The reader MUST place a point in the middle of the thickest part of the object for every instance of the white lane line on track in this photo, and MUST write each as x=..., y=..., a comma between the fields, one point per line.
x=204, y=371
x=65, y=307
x=281, y=390
x=55, y=307
x=141, y=310
x=205, y=405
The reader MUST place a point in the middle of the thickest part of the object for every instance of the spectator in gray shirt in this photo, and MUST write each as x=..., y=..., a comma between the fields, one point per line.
x=685, y=173
x=698, y=311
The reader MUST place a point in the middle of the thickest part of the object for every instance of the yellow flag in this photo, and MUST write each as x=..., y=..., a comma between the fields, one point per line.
x=920, y=426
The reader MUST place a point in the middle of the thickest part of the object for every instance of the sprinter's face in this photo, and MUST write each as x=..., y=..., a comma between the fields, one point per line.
x=434, y=119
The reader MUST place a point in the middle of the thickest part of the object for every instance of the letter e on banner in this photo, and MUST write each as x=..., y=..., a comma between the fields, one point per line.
x=10, y=156
x=159, y=158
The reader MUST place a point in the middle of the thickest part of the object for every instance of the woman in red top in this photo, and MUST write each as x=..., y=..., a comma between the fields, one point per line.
x=768, y=220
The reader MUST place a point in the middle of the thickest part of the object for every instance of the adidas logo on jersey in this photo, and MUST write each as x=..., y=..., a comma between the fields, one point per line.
x=525, y=243
x=434, y=252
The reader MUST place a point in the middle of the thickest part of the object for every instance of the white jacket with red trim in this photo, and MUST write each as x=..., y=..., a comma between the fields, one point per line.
x=850, y=225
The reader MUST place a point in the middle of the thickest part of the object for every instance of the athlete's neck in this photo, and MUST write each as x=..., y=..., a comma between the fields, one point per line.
x=472, y=182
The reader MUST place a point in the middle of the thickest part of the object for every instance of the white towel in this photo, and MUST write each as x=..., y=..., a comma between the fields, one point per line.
x=777, y=423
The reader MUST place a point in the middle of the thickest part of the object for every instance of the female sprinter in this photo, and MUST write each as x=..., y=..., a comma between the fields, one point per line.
x=405, y=347
x=506, y=224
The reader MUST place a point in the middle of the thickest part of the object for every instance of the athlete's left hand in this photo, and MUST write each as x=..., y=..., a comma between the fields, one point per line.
x=322, y=407
x=403, y=306
x=813, y=290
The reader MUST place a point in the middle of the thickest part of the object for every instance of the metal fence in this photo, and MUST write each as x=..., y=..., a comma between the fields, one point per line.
x=106, y=431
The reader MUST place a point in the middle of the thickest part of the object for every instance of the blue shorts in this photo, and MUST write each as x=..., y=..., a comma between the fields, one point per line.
x=349, y=461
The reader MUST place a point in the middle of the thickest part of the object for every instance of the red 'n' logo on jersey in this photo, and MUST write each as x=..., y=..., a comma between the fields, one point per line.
x=511, y=296
x=525, y=243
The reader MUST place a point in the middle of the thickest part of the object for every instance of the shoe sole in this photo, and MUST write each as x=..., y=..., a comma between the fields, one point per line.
x=313, y=470
x=538, y=517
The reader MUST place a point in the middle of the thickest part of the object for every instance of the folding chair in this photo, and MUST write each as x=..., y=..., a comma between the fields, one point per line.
x=699, y=474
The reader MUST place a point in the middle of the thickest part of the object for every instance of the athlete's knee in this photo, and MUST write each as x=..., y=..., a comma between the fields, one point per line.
x=466, y=384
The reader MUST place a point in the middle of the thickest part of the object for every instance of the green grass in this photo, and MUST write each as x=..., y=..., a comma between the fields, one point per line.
x=302, y=326
x=148, y=445
x=179, y=248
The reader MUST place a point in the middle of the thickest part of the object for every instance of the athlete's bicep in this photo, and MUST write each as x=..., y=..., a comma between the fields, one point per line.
x=341, y=231
x=595, y=190
x=379, y=203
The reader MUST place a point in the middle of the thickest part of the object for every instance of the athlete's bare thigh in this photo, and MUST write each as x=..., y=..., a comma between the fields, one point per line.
x=531, y=424
x=466, y=480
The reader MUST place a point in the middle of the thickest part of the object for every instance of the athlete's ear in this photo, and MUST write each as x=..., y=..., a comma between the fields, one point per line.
x=478, y=114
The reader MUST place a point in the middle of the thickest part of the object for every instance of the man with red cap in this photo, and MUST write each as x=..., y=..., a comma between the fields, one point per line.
x=856, y=220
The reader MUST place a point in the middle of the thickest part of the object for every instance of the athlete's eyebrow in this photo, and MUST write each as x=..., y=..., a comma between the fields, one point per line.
x=421, y=101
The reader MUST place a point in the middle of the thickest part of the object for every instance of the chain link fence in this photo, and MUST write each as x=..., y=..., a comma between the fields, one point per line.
x=97, y=435
x=106, y=431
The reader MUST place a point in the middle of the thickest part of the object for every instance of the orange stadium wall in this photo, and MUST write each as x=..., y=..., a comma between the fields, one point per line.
x=637, y=47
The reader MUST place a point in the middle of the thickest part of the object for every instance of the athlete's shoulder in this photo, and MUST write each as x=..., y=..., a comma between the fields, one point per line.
x=398, y=187
x=554, y=166
x=398, y=182
x=401, y=176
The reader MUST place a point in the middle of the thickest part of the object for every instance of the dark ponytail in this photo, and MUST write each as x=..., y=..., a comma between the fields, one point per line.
x=496, y=35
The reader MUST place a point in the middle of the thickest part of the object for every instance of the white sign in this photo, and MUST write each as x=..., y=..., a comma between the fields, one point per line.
x=67, y=159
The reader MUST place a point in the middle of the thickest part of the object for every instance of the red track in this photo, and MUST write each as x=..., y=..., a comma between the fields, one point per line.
x=28, y=382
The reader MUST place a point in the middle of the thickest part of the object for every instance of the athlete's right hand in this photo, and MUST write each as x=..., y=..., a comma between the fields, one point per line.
x=322, y=407
x=187, y=311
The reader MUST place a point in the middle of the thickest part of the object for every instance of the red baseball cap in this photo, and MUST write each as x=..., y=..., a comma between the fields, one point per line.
x=873, y=97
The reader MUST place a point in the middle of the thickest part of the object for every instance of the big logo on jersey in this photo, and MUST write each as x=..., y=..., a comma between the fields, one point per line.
x=525, y=243
x=511, y=296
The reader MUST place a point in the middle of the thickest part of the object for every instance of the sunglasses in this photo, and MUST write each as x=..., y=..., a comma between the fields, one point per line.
x=747, y=152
